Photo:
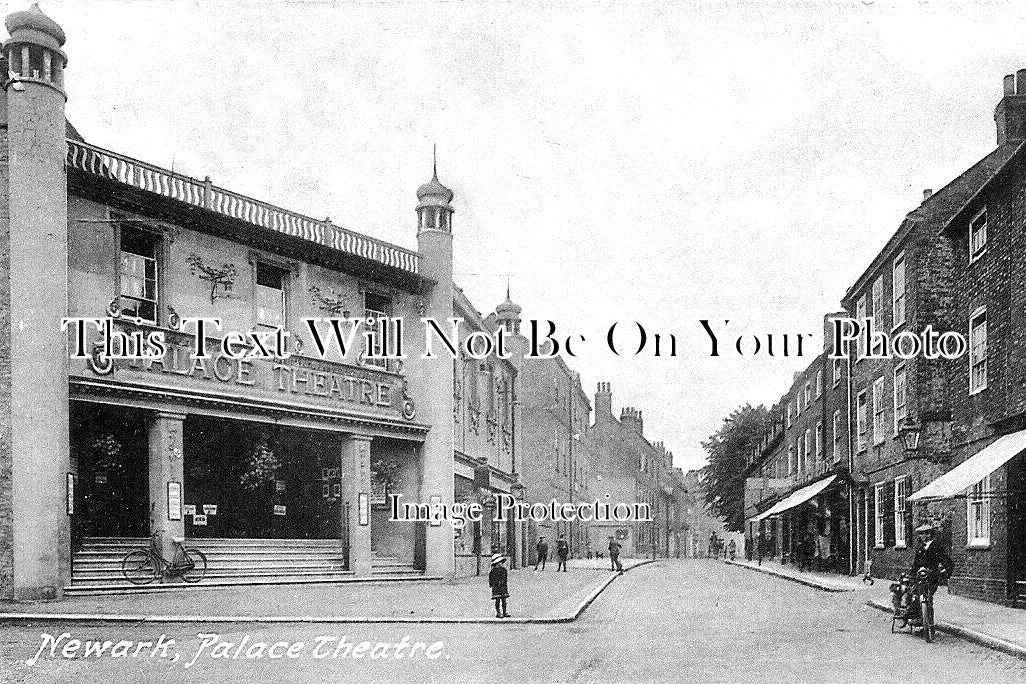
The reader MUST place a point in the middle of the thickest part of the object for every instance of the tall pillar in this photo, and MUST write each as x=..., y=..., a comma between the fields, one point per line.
x=356, y=485
x=36, y=268
x=432, y=379
x=167, y=473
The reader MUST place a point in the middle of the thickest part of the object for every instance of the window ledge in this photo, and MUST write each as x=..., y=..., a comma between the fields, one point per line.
x=978, y=544
x=879, y=546
x=977, y=390
x=900, y=546
x=979, y=255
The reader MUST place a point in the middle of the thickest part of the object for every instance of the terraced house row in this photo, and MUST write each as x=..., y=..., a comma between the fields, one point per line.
x=862, y=450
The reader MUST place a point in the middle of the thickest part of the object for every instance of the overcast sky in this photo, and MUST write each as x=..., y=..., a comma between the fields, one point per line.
x=643, y=161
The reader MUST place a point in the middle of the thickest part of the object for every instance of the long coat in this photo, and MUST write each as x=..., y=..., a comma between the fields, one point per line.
x=497, y=577
x=933, y=558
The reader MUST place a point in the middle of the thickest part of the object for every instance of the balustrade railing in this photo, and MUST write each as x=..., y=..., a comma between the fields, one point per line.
x=202, y=193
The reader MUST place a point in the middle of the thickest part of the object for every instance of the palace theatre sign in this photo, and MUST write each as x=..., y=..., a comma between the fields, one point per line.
x=298, y=379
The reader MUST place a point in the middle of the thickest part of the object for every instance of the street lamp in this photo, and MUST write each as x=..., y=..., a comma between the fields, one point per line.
x=910, y=434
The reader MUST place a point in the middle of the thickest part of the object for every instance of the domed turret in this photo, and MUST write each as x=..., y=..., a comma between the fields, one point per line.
x=33, y=51
x=507, y=314
x=433, y=209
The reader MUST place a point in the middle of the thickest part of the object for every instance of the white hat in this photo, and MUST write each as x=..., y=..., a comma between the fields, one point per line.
x=497, y=558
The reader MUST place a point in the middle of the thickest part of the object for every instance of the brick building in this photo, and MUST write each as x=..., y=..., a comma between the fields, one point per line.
x=797, y=484
x=905, y=288
x=625, y=467
x=931, y=438
x=982, y=500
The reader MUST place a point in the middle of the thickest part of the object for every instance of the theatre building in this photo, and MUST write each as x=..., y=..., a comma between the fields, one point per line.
x=487, y=444
x=279, y=468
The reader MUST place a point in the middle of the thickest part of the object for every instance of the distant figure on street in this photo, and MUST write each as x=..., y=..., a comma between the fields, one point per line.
x=562, y=552
x=732, y=549
x=542, y=549
x=805, y=552
x=614, y=555
x=497, y=580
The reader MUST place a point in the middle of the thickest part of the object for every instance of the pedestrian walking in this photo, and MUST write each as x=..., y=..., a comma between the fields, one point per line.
x=542, y=549
x=614, y=556
x=562, y=552
x=731, y=549
x=498, y=581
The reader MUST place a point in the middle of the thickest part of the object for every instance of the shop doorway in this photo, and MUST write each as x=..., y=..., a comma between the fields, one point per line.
x=110, y=457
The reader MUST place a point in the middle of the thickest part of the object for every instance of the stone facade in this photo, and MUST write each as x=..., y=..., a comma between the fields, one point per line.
x=94, y=447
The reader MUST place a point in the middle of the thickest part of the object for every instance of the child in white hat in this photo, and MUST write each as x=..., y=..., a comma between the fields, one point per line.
x=497, y=581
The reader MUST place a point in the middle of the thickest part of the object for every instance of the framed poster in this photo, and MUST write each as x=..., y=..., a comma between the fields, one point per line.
x=364, y=508
x=71, y=494
x=379, y=489
x=336, y=490
x=189, y=509
x=209, y=509
x=279, y=509
x=325, y=491
x=174, y=500
x=200, y=520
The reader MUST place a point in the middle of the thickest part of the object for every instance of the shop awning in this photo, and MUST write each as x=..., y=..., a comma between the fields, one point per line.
x=973, y=469
x=797, y=498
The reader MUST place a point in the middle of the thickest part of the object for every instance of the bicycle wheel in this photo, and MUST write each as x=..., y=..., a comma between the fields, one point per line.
x=197, y=567
x=926, y=606
x=137, y=567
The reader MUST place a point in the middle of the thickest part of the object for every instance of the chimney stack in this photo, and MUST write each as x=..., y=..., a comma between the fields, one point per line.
x=927, y=194
x=1010, y=113
x=603, y=402
x=632, y=417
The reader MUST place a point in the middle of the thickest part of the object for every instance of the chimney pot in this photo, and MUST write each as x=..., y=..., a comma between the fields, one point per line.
x=1010, y=84
x=927, y=194
x=1020, y=82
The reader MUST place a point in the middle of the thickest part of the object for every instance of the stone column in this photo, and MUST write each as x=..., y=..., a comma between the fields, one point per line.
x=167, y=467
x=356, y=481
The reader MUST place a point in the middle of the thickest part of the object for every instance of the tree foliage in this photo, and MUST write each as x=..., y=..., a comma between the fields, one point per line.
x=728, y=450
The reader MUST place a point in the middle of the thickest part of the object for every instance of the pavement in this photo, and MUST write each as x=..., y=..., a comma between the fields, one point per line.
x=987, y=624
x=545, y=596
x=670, y=621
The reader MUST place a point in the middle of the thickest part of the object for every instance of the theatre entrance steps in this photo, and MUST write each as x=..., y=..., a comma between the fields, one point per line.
x=96, y=566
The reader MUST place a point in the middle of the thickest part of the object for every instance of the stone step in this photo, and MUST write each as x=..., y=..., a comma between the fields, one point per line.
x=220, y=555
x=115, y=571
x=124, y=588
x=94, y=543
x=112, y=578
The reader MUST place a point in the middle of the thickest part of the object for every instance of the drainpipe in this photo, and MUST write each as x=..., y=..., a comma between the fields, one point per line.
x=853, y=545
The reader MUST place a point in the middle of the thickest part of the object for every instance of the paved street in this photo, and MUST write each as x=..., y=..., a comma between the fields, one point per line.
x=674, y=620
